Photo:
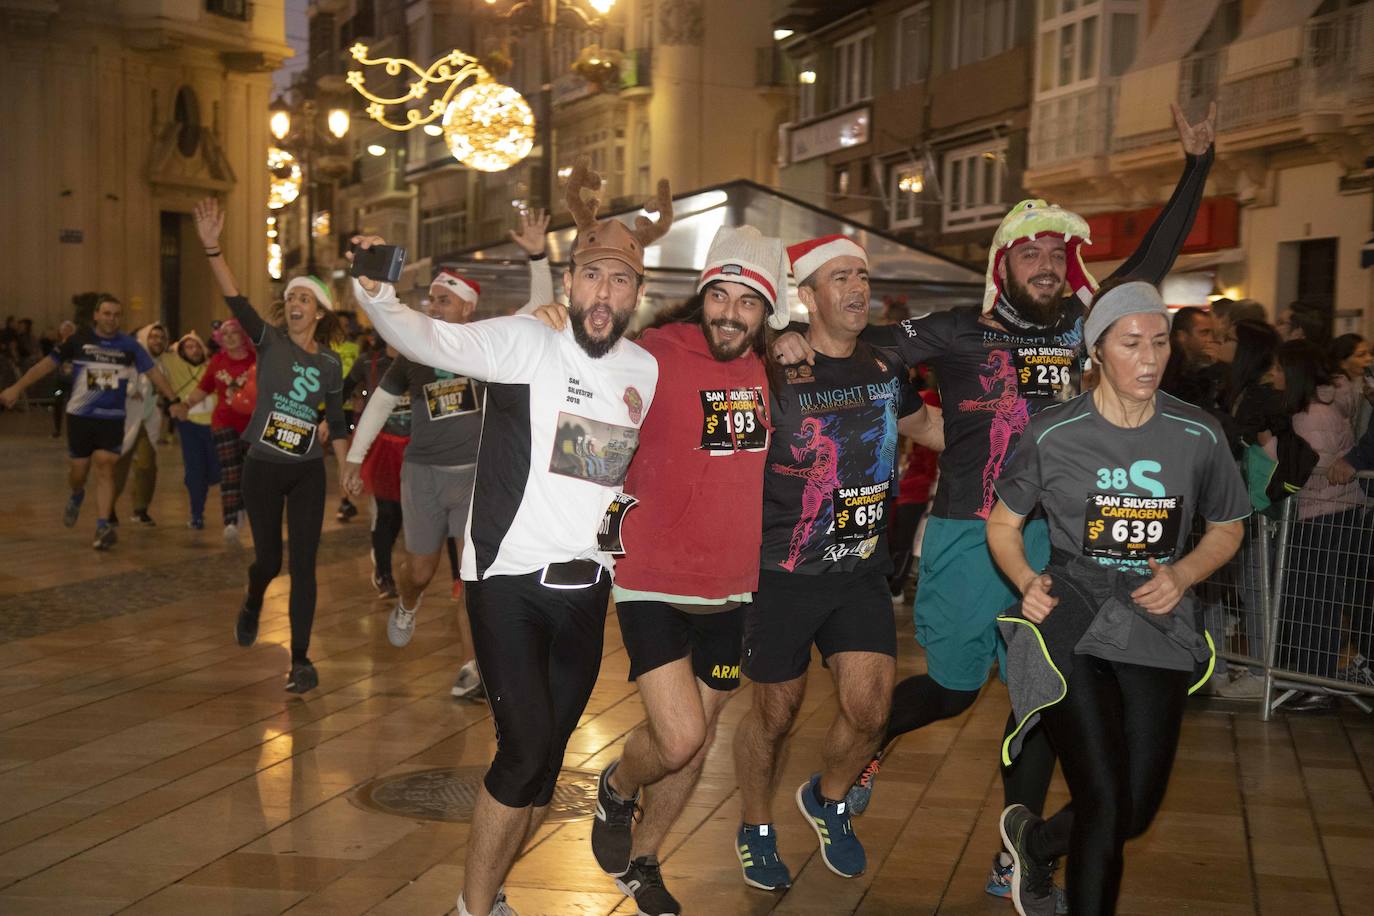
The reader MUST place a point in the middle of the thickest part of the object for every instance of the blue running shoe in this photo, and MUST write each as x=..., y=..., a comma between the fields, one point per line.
x=999, y=883
x=840, y=848
x=73, y=510
x=757, y=848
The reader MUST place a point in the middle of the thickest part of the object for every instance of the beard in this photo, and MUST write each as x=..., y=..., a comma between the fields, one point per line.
x=590, y=345
x=725, y=352
x=1023, y=301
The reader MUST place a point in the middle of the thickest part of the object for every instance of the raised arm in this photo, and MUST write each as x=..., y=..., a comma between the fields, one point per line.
x=530, y=237
x=209, y=225
x=1162, y=242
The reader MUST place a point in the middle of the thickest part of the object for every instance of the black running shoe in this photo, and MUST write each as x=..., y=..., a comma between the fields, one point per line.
x=104, y=538
x=143, y=518
x=612, y=837
x=385, y=585
x=346, y=510
x=644, y=882
x=73, y=508
x=246, y=629
x=302, y=678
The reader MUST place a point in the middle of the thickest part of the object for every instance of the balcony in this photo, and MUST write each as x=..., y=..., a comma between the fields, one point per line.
x=1071, y=127
x=382, y=181
x=229, y=9
x=1199, y=79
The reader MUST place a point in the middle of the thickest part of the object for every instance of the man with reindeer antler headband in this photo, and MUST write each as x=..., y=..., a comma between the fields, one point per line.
x=562, y=420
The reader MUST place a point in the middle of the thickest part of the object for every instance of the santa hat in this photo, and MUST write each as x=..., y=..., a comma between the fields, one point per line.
x=745, y=255
x=1033, y=219
x=316, y=287
x=810, y=256
x=457, y=284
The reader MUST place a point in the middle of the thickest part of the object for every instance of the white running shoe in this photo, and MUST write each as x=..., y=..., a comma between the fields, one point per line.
x=231, y=533
x=401, y=626
x=468, y=686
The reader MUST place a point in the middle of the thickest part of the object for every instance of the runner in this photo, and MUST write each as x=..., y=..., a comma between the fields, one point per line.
x=104, y=362
x=826, y=495
x=995, y=369
x=185, y=366
x=380, y=468
x=538, y=574
x=284, y=469
x=1105, y=649
x=230, y=378
x=692, y=546
x=440, y=462
x=142, y=429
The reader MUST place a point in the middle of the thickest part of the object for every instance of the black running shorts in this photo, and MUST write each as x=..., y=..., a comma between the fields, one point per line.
x=839, y=612
x=656, y=633
x=94, y=434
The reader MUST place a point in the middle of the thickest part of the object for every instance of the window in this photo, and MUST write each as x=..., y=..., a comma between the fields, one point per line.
x=913, y=45
x=853, y=69
x=442, y=233
x=1073, y=42
x=906, y=183
x=981, y=28
x=973, y=180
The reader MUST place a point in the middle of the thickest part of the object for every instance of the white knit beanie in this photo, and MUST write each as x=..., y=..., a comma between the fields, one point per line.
x=744, y=255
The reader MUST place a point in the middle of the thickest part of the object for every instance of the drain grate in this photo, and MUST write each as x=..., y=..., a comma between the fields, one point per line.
x=449, y=794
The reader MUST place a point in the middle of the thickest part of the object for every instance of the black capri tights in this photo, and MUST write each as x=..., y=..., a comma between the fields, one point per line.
x=539, y=652
x=297, y=487
x=1116, y=732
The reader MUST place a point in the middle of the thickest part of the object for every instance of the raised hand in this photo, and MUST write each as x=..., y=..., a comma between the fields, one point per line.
x=533, y=225
x=209, y=222
x=1196, y=138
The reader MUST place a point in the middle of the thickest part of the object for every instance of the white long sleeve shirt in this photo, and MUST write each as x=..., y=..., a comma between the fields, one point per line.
x=558, y=431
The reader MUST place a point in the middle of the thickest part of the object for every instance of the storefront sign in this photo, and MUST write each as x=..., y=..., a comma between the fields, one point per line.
x=837, y=133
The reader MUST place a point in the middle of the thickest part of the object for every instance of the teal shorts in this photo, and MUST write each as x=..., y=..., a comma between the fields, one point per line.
x=959, y=595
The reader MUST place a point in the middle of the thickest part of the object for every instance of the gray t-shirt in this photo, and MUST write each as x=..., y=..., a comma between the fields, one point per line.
x=445, y=413
x=1122, y=496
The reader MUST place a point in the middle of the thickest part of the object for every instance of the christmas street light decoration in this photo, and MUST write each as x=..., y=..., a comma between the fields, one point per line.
x=286, y=178
x=488, y=126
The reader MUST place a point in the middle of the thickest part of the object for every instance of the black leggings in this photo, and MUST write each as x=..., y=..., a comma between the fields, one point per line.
x=386, y=527
x=920, y=700
x=298, y=487
x=1116, y=732
x=539, y=652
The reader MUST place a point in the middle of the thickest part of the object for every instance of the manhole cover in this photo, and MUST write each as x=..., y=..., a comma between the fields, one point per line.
x=449, y=793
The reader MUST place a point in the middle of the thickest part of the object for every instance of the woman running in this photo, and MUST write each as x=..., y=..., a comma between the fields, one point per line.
x=284, y=469
x=1105, y=649
x=228, y=377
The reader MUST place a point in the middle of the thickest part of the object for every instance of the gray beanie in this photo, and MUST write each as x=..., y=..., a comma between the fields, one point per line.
x=1133, y=298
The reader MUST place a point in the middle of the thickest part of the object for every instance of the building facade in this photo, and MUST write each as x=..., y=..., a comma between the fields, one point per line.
x=909, y=115
x=1289, y=201
x=118, y=115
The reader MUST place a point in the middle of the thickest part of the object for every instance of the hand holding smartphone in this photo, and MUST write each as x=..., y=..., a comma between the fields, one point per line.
x=378, y=262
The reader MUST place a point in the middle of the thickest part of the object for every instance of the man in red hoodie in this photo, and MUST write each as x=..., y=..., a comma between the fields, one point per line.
x=691, y=545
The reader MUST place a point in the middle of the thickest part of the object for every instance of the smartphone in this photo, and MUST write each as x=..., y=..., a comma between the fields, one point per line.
x=380, y=262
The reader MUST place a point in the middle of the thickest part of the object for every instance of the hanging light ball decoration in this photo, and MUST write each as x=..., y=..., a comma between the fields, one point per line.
x=489, y=127
x=285, y=172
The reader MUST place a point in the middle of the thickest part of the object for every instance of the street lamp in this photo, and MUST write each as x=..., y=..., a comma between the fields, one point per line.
x=309, y=132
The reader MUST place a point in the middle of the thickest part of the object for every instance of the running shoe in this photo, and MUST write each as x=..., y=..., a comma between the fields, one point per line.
x=499, y=907
x=73, y=509
x=1032, y=882
x=346, y=510
x=644, y=882
x=113, y=519
x=611, y=829
x=999, y=883
x=401, y=625
x=196, y=524
x=861, y=793
x=303, y=677
x=105, y=537
x=840, y=848
x=231, y=533
x=757, y=848
x=457, y=589
x=385, y=585
x=143, y=518
x=246, y=628
x=1243, y=686
x=468, y=686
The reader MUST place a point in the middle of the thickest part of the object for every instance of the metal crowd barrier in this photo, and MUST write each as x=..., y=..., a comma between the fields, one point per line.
x=1294, y=609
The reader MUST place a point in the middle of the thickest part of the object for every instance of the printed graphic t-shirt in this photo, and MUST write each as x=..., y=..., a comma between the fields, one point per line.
x=445, y=413
x=828, y=483
x=992, y=381
x=1124, y=496
x=222, y=376
x=102, y=368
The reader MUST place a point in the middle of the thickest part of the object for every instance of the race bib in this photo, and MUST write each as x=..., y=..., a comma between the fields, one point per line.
x=608, y=535
x=104, y=378
x=449, y=397
x=1131, y=527
x=859, y=512
x=733, y=420
x=1045, y=372
x=288, y=434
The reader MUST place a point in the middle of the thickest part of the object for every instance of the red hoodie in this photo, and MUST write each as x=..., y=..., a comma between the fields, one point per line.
x=699, y=523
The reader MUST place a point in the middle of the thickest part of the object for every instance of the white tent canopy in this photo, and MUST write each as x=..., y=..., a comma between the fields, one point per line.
x=928, y=280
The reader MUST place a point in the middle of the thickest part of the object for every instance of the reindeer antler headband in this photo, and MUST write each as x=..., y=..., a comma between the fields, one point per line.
x=610, y=238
